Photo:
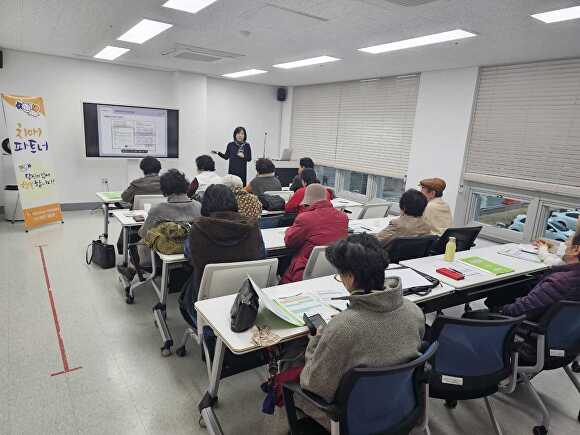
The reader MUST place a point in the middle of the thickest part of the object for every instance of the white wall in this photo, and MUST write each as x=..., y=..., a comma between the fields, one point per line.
x=204, y=123
x=442, y=122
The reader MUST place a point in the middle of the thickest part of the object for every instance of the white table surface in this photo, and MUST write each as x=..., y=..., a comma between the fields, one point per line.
x=343, y=203
x=428, y=265
x=216, y=312
x=105, y=200
x=371, y=226
x=125, y=217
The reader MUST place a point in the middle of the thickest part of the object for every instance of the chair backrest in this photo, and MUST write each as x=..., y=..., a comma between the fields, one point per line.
x=383, y=401
x=140, y=201
x=410, y=247
x=561, y=324
x=266, y=222
x=473, y=354
x=284, y=194
x=318, y=265
x=227, y=278
x=375, y=209
x=464, y=238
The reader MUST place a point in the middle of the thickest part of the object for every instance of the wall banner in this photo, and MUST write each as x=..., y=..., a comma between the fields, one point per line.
x=25, y=119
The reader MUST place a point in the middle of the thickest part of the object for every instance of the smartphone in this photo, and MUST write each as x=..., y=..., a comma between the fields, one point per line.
x=313, y=322
x=139, y=218
x=453, y=274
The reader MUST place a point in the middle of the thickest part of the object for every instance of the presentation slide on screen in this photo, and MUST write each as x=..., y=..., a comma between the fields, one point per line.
x=132, y=131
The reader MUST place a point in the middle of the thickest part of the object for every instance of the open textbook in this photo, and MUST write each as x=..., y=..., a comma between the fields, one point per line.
x=292, y=307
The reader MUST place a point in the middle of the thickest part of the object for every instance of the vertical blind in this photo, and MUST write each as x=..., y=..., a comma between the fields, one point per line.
x=364, y=126
x=526, y=127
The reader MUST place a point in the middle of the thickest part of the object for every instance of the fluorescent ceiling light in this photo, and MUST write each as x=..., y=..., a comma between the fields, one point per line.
x=111, y=53
x=246, y=73
x=559, y=15
x=143, y=31
x=191, y=6
x=419, y=42
x=307, y=62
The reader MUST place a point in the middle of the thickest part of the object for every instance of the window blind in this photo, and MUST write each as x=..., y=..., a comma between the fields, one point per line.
x=526, y=127
x=363, y=126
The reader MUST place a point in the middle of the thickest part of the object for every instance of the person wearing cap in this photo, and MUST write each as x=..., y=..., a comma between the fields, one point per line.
x=438, y=213
x=319, y=225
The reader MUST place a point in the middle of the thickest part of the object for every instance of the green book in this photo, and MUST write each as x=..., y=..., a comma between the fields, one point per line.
x=111, y=196
x=486, y=265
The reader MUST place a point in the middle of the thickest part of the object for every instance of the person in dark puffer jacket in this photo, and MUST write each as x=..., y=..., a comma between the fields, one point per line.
x=561, y=283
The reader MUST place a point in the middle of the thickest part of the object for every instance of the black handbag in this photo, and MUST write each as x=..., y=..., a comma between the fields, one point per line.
x=272, y=202
x=245, y=308
x=102, y=254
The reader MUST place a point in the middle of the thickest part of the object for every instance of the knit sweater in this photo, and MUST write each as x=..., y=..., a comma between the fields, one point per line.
x=379, y=329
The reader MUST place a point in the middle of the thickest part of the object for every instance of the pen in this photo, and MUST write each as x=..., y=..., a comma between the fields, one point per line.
x=342, y=298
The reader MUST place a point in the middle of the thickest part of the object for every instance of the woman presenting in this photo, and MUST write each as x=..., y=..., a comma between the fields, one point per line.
x=239, y=153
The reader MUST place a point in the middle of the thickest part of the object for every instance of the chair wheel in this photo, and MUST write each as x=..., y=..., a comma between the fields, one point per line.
x=576, y=367
x=181, y=351
x=451, y=404
x=540, y=430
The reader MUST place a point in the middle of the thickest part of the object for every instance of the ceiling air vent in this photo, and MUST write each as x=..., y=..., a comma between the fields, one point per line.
x=199, y=54
x=410, y=3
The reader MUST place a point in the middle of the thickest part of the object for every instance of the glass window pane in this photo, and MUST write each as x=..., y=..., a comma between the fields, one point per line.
x=326, y=175
x=390, y=188
x=356, y=182
x=501, y=211
x=561, y=224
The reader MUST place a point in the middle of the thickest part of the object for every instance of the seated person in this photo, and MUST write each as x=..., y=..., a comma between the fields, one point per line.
x=146, y=185
x=222, y=234
x=320, y=224
x=410, y=222
x=551, y=252
x=380, y=328
x=206, y=176
x=178, y=208
x=249, y=205
x=305, y=162
x=265, y=181
x=438, y=213
x=560, y=283
x=308, y=177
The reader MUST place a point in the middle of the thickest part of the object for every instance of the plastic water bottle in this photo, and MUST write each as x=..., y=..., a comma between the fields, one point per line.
x=450, y=249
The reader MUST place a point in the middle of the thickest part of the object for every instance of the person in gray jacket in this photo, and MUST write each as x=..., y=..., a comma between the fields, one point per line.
x=380, y=328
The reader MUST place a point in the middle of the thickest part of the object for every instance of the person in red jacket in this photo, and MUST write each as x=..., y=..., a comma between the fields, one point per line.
x=308, y=177
x=319, y=225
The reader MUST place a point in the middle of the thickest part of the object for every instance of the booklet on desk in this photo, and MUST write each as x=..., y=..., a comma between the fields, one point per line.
x=292, y=307
x=486, y=265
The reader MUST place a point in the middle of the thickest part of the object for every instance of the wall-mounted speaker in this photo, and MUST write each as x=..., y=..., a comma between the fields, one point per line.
x=282, y=94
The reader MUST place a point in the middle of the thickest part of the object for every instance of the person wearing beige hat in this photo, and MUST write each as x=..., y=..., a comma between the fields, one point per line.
x=438, y=213
x=320, y=224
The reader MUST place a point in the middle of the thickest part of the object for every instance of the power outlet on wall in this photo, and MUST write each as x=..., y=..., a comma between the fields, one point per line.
x=104, y=181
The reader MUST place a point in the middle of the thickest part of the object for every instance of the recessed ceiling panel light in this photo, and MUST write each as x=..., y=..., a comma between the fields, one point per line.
x=307, y=62
x=419, y=42
x=191, y=6
x=246, y=73
x=111, y=53
x=143, y=31
x=558, y=15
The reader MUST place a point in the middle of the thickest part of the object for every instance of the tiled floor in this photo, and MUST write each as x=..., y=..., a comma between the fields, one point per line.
x=125, y=386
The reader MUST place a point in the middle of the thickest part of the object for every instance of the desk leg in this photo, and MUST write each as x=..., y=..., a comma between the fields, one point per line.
x=125, y=246
x=160, y=312
x=106, y=225
x=211, y=396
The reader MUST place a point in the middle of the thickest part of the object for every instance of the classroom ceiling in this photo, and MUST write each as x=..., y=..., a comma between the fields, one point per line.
x=262, y=33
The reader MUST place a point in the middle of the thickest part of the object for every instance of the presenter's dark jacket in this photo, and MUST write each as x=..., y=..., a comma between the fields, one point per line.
x=238, y=165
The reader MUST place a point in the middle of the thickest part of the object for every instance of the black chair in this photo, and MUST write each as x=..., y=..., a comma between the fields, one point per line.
x=474, y=357
x=464, y=239
x=389, y=401
x=550, y=344
x=410, y=247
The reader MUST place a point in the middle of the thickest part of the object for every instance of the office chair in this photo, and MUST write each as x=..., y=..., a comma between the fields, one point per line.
x=377, y=208
x=266, y=222
x=386, y=401
x=410, y=247
x=464, y=238
x=318, y=265
x=221, y=280
x=474, y=356
x=557, y=345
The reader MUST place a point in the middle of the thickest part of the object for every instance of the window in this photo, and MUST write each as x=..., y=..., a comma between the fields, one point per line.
x=356, y=182
x=389, y=188
x=560, y=224
x=326, y=175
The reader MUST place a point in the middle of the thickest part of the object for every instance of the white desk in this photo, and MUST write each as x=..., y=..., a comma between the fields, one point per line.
x=107, y=198
x=216, y=313
x=370, y=226
x=127, y=221
x=428, y=265
x=342, y=203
